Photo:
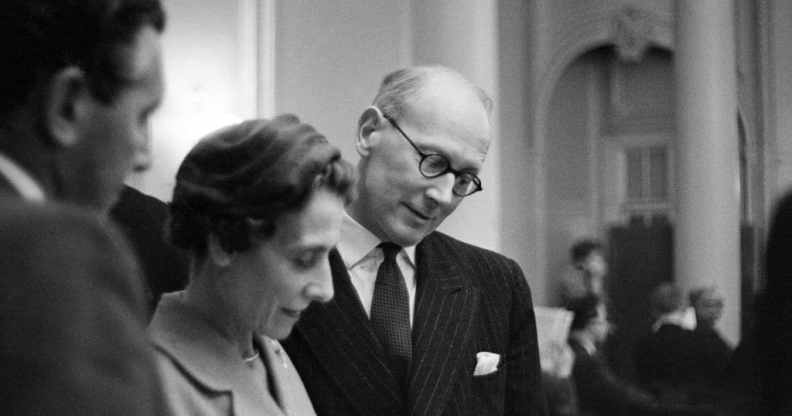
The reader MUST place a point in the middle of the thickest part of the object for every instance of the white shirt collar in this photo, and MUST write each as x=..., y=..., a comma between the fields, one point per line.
x=584, y=342
x=357, y=242
x=685, y=319
x=21, y=180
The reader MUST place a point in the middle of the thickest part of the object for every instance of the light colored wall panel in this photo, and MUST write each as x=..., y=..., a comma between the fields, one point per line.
x=210, y=74
x=331, y=57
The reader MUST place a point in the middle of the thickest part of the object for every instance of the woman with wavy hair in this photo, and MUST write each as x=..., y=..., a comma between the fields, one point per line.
x=258, y=205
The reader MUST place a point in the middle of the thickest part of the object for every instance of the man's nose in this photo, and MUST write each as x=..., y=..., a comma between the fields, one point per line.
x=141, y=159
x=441, y=190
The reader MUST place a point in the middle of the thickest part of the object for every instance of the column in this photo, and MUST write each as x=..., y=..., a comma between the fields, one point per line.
x=707, y=225
x=463, y=35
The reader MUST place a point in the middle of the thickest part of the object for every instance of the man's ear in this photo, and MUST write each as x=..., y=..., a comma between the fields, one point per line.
x=216, y=253
x=370, y=121
x=66, y=106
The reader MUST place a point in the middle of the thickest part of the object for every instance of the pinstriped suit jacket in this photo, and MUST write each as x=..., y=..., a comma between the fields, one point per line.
x=468, y=300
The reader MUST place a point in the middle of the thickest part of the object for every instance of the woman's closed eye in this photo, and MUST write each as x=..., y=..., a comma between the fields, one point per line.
x=308, y=259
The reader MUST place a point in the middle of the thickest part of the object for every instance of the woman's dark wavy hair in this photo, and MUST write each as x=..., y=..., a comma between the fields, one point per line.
x=238, y=181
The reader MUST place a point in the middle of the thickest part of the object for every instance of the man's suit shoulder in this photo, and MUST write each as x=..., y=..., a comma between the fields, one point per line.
x=462, y=248
x=470, y=256
x=497, y=275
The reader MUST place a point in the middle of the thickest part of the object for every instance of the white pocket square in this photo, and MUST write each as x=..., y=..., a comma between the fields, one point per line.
x=486, y=363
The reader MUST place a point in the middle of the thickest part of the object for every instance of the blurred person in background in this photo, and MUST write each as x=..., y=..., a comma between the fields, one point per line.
x=259, y=206
x=586, y=276
x=665, y=356
x=557, y=361
x=713, y=353
x=600, y=391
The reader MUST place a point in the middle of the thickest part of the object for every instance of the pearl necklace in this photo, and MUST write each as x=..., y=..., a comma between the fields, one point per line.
x=251, y=358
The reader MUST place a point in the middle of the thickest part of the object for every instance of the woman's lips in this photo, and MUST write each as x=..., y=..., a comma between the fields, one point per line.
x=294, y=313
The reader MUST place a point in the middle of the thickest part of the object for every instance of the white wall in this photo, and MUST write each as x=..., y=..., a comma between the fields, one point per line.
x=208, y=81
x=569, y=196
x=463, y=35
x=777, y=61
x=517, y=170
x=332, y=55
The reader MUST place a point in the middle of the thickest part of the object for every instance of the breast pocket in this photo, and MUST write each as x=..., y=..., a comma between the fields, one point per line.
x=489, y=392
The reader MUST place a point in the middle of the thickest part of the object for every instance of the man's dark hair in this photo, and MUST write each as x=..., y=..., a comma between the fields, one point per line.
x=582, y=248
x=41, y=37
x=665, y=298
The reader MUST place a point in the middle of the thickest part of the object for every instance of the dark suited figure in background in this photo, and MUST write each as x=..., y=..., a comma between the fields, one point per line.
x=712, y=351
x=586, y=276
x=142, y=218
x=600, y=391
x=664, y=357
x=71, y=312
x=423, y=324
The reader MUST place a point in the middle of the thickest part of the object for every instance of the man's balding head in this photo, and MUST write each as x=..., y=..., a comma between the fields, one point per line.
x=402, y=86
x=419, y=111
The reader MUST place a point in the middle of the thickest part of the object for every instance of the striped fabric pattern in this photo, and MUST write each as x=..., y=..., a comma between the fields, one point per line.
x=468, y=300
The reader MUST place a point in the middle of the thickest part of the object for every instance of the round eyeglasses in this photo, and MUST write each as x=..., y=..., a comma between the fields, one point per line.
x=433, y=165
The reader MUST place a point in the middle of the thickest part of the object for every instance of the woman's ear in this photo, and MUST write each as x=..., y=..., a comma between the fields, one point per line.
x=370, y=121
x=66, y=102
x=216, y=253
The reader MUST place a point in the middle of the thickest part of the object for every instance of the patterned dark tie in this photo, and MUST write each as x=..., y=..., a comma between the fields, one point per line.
x=390, y=314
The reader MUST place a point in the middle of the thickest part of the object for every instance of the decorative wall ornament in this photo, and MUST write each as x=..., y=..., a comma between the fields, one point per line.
x=633, y=31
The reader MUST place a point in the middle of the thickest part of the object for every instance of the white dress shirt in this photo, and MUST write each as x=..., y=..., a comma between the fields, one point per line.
x=24, y=184
x=362, y=258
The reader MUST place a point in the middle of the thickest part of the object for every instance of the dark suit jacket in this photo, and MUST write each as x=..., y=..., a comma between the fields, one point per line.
x=665, y=361
x=602, y=393
x=468, y=300
x=142, y=218
x=72, y=338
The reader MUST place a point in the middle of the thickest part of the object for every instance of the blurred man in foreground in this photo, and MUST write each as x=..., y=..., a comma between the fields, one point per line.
x=80, y=79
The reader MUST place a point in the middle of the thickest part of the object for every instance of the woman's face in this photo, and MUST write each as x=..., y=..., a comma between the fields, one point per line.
x=281, y=275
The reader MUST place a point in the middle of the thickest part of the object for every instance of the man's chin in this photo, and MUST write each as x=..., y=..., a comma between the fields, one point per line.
x=406, y=236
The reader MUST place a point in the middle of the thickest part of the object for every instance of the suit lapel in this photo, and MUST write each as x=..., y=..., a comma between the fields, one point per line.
x=340, y=335
x=445, y=307
x=6, y=188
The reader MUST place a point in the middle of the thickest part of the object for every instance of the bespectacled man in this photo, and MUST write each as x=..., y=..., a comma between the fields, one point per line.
x=421, y=323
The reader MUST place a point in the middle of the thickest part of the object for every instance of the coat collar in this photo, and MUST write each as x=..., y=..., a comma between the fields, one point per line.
x=341, y=337
x=357, y=242
x=20, y=180
x=211, y=360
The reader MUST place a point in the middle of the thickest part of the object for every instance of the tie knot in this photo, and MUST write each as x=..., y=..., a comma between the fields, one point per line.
x=389, y=250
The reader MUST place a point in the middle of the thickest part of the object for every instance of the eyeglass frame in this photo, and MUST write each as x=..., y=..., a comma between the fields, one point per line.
x=457, y=174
